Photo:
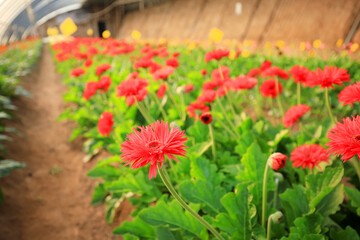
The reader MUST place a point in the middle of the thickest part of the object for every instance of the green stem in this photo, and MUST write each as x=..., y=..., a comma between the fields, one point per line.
x=328, y=105
x=212, y=140
x=226, y=117
x=175, y=103
x=272, y=109
x=160, y=106
x=218, y=120
x=278, y=97
x=227, y=94
x=298, y=93
x=165, y=178
x=355, y=163
x=268, y=230
x=264, y=194
x=149, y=119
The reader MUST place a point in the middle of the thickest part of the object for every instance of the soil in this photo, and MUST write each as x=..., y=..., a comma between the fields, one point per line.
x=50, y=198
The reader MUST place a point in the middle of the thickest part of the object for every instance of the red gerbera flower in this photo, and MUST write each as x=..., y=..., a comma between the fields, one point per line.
x=161, y=91
x=350, y=94
x=76, y=72
x=193, y=107
x=104, y=83
x=151, y=144
x=206, y=118
x=90, y=89
x=203, y=72
x=294, y=113
x=244, y=82
x=300, y=74
x=188, y=88
x=345, y=138
x=176, y=54
x=155, y=67
x=275, y=71
x=105, y=123
x=133, y=89
x=143, y=63
x=163, y=73
x=216, y=54
x=172, y=62
x=277, y=161
x=88, y=62
x=268, y=88
x=265, y=65
x=207, y=96
x=328, y=77
x=102, y=68
x=254, y=72
x=309, y=156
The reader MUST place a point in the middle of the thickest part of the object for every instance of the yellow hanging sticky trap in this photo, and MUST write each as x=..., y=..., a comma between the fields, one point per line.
x=52, y=31
x=216, y=35
x=339, y=42
x=106, y=34
x=136, y=35
x=68, y=27
x=354, y=47
x=90, y=32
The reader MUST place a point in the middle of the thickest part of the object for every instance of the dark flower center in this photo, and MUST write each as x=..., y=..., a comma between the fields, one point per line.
x=357, y=138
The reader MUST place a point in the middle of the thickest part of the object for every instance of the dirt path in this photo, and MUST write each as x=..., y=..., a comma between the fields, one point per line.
x=40, y=205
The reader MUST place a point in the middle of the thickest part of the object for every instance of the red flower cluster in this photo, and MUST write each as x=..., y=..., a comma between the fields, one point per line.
x=309, y=156
x=188, y=88
x=151, y=144
x=265, y=65
x=91, y=87
x=275, y=71
x=172, y=62
x=216, y=54
x=294, y=113
x=76, y=72
x=102, y=68
x=300, y=74
x=163, y=73
x=350, y=94
x=244, y=82
x=105, y=123
x=345, y=138
x=133, y=89
x=196, y=107
x=88, y=62
x=328, y=77
x=268, y=88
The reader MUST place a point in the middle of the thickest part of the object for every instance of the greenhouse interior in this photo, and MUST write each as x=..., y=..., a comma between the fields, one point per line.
x=179, y=119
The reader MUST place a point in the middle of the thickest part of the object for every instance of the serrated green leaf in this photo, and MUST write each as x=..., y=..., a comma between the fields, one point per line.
x=307, y=227
x=347, y=234
x=240, y=211
x=173, y=215
x=202, y=169
x=244, y=142
x=137, y=227
x=104, y=172
x=99, y=194
x=294, y=203
x=164, y=233
x=354, y=196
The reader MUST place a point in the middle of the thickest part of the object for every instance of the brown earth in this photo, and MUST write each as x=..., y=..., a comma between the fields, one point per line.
x=50, y=198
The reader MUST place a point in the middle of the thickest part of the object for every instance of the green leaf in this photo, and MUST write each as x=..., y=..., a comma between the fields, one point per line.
x=164, y=233
x=202, y=169
x=137, y=227
x=204, y=192
x=354, y=196
x=99, y=194
x=347, y=234
x=307, y=227
x=7, y=165
x=244, y=142
x=104, y=172
x=294, y=203
x=173, y=215
x=254, y=162
x=322, y=189
x=237, y=220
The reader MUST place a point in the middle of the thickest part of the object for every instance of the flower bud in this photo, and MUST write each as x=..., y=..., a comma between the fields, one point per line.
x=277, y=161
x=276, y=217
x=278, y=176
x=206, y=118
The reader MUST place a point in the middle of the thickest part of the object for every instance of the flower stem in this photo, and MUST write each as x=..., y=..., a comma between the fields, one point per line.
x=355, y=163
x=160, y=106
x=149, y=119
x=165, y=178
x=272, y=110
x=278, y=97
x=226, y=117
x=276, y=192
x=212, y=140
x=298, y=93
x=218, y=120
x=268, y=230
x=264, y=194
x=328, y=105
x=171, y=95
x=227, y=94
